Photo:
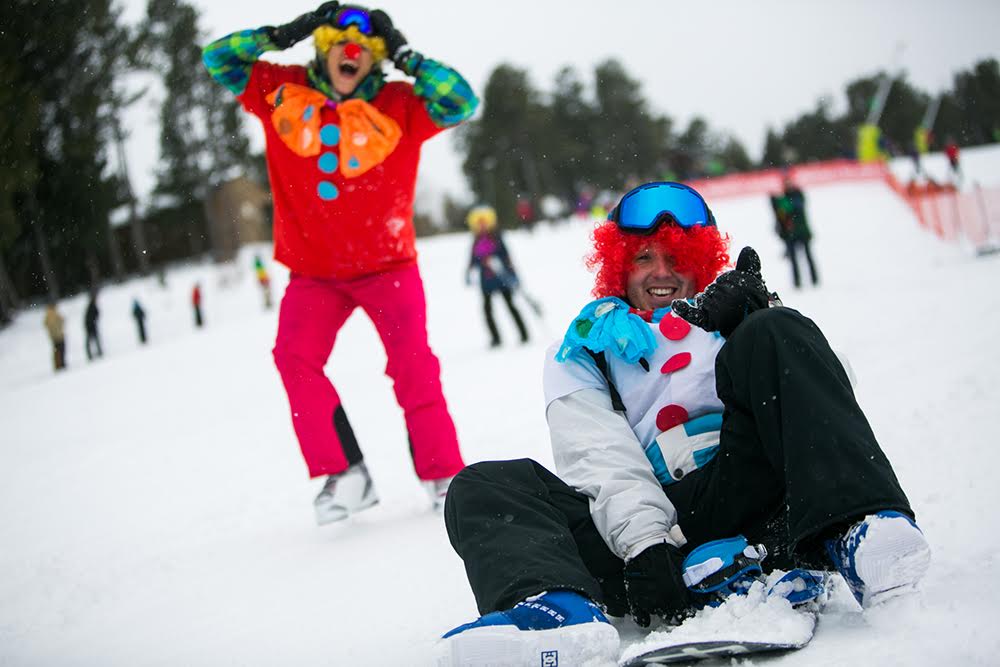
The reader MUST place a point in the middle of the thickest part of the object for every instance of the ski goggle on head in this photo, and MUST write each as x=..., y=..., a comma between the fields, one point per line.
x=356, y=16
x=644, y=209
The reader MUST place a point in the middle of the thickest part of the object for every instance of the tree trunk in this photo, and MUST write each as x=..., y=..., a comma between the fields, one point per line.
x=138, y=229
x=115, y=253
x=135, y=222
x=9, y=300
x=42, y=245
x=93, y=268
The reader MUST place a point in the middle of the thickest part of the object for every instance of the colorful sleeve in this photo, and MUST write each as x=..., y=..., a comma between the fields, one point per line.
x=231, y=59
x=447, y=96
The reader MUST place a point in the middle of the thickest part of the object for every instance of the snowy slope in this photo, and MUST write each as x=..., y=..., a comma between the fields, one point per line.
x=155, y=510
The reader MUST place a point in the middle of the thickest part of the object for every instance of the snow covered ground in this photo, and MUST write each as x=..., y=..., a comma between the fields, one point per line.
x=154, y=509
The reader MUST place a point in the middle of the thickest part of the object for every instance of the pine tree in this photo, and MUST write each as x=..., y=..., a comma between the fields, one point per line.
x=630, y=136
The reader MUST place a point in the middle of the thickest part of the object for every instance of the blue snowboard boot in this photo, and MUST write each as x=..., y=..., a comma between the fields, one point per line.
x=554, y=629
x=881, y=556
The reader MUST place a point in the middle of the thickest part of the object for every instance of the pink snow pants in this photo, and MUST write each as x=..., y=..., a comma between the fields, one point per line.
x=312, y=312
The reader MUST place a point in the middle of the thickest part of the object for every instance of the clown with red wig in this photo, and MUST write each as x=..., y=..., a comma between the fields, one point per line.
x=697, y=425
x=343, y=145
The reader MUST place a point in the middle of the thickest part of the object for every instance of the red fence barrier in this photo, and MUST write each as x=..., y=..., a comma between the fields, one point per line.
x=769, y=181
x=951, y=214
x=974, y=215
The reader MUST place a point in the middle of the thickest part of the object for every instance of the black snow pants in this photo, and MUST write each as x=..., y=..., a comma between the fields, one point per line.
x=792, y=249
x=491, y=323
x=797, y=463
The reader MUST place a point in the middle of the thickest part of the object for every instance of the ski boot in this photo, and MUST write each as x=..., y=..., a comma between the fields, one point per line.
x=345, y=494
x=552, y=628
x=437, y=489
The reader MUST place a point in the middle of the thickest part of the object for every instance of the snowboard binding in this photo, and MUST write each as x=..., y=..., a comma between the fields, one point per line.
x=718, y=569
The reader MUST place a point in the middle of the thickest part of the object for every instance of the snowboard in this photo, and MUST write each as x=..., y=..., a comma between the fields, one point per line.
x=741, y=626
x=690, y=651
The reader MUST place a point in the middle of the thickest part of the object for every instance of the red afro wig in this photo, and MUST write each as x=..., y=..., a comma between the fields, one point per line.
x=699, y=251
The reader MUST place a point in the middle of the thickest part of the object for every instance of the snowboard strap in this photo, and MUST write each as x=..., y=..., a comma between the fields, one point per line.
x=602, y=365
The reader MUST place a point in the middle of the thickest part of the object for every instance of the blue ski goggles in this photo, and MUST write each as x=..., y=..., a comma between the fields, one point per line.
x=356, y=16
x=644, y=209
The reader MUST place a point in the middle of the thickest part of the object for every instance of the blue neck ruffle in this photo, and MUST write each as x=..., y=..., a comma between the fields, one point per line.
x=607, y=325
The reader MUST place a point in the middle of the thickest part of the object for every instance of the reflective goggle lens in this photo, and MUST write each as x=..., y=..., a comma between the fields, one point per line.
x=357, y=17
x=644, y=208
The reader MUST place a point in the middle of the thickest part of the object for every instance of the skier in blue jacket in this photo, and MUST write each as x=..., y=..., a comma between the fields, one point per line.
x=496, y=270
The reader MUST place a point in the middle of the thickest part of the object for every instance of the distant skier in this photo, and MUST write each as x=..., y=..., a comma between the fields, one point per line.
x=263, y=279
x=496, y=271
x=951, y=152
x=792, y=227
x=55, y=324
x=666, y=437
x=140, y=320
x=342, y=147
x=525, y=213
x=93, y=337
x=199, y=321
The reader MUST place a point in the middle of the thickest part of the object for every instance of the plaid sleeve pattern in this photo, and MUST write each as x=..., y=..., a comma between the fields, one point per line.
x=230, y=59
x=447, y=96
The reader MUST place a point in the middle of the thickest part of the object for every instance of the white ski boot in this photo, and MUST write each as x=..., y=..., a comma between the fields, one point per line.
x=437, y=489
x=345, y=494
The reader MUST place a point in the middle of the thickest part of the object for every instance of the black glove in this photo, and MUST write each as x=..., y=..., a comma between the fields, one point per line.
x=654, y=584
x=395, y=43
x=291, y=33
x=727, y=301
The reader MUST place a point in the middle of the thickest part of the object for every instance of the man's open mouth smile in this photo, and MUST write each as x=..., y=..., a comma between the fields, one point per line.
x=662, y=292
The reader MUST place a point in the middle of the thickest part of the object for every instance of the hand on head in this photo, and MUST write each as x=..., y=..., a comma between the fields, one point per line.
x=394, y=40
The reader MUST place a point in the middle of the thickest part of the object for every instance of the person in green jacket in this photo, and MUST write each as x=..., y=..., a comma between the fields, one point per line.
x=792, y=227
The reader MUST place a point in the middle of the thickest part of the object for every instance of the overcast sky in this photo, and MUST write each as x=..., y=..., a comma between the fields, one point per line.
x=743, y=65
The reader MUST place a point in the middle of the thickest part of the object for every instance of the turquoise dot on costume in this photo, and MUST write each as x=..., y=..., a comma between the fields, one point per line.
x=327, y=191
x=329, y=135
x=308, y=113
x=328, y=163
x=353, y=163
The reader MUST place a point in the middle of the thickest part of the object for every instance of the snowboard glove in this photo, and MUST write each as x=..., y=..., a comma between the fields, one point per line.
x=654, y=585
x=284, y=36
x=730, y=298
x=395, y=42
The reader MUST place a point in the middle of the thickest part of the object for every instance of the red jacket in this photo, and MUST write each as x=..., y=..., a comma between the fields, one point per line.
x=368, y=226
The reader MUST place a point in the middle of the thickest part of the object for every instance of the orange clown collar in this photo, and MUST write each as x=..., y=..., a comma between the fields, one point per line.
x=365, y=136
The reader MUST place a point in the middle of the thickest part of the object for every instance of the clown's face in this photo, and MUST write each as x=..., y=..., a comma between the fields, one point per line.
x=348, y=65
x=652, y=282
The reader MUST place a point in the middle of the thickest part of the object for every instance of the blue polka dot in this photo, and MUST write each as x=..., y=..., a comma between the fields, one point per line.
x=353, y=163
x=327, y=191
x=328, y=163
x=329, y=135
x=308, y=113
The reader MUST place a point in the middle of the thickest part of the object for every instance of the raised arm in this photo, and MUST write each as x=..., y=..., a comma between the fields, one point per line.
x=229, y=60
x=447, y=96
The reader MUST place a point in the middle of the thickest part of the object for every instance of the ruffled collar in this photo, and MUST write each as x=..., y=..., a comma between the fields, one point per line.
x=611, y=325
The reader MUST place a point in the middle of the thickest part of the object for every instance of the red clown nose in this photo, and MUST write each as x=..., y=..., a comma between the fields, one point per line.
x=352, y=51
